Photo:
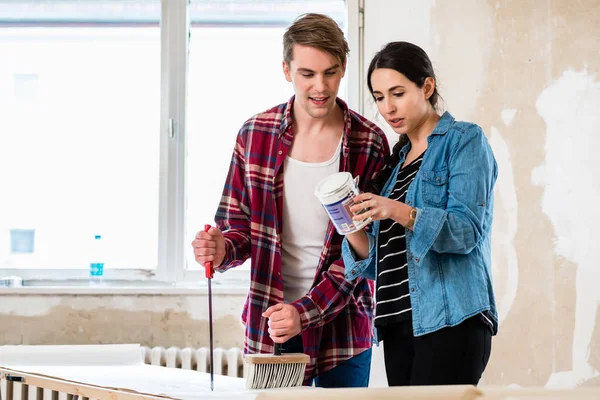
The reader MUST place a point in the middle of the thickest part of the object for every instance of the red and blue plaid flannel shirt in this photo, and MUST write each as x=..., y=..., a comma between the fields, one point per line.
x=336, y=315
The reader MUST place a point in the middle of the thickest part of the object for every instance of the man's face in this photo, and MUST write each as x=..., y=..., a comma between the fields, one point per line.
x=316, y=77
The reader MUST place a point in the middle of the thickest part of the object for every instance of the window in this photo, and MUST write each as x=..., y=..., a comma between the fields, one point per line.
x=79, y=150
x=96, y=138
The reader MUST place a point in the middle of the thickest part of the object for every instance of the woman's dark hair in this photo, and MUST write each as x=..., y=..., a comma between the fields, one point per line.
x=412, y=62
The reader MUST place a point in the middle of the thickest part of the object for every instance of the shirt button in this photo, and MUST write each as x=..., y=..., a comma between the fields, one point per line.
x=408, y=202
x=410, y=258
x=412, y=290
x=417, y=259
x=280, y=152
x=354, y=272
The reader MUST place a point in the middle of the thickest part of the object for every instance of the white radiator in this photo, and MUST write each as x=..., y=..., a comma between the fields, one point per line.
x=227, y=362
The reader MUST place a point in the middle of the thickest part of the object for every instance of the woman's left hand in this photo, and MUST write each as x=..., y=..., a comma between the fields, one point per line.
x=379, y=207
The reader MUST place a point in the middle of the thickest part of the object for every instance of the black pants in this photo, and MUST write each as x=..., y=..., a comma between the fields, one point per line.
x=450, y=356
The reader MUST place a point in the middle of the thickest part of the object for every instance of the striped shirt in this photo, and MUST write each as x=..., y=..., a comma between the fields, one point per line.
x=393, y=298
x=336, y=315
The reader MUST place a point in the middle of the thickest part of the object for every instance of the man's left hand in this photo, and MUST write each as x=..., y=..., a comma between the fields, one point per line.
x=284, y=322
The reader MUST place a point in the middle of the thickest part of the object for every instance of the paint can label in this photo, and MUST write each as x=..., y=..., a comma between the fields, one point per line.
x=336, y=194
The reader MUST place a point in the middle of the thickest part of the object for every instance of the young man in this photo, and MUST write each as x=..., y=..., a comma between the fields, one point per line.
x=268, y=212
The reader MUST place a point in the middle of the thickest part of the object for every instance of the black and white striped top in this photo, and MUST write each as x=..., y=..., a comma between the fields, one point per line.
x=392, y=297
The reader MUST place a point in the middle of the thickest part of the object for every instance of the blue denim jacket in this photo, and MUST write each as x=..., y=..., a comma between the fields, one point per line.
x=449, y=249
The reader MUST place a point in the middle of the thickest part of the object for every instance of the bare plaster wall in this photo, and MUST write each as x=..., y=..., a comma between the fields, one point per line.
x=151, y=320
x=528, y=72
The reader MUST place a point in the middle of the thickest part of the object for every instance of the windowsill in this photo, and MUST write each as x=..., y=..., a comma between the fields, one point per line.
x=110, y=288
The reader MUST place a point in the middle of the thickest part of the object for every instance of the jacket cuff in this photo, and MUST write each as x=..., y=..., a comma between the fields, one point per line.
x=427, y=227
x=357, y=268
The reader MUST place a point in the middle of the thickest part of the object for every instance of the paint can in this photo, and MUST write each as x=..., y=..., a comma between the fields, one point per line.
x=336, y=193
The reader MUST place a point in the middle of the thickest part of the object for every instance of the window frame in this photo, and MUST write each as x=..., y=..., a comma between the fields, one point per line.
x=171, y=269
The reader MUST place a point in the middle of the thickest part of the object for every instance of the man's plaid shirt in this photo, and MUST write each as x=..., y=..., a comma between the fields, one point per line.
x=336, y=315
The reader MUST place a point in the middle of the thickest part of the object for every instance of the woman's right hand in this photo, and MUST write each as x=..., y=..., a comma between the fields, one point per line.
x=380, y=208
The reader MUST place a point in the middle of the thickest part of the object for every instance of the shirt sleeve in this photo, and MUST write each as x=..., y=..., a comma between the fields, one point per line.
x=461, y=225
x=355, y=268
x=233, y=213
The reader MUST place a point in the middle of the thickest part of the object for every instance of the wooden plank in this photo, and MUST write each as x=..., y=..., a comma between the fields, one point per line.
x=500, y=393
x=455, y=392
x=75, y=388
x=9, y=390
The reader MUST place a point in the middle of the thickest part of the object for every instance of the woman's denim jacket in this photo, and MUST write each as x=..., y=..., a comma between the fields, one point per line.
x=448, y=251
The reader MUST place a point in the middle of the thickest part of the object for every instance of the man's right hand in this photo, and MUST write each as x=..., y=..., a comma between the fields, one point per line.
x=209, y=246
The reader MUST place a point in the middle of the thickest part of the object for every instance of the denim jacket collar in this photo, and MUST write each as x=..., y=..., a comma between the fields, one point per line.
x=444, y=124
x=441, y=128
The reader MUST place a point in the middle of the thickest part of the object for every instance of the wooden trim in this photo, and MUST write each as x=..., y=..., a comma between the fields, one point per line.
x=73, y=388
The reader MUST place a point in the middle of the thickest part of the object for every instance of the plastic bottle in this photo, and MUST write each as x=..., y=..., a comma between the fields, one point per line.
x=97, y=262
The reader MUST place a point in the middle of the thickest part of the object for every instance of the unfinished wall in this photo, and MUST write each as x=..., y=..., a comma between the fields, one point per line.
x=151, y=320
x=528, y=72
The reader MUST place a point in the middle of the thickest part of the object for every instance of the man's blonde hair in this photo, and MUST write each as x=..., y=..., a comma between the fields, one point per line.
x=318, y=31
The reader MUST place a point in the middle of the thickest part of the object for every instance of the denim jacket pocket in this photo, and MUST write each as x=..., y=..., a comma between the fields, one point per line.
x=435, y=187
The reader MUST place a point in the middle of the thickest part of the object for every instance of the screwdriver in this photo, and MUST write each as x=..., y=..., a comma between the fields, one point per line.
x=209, y=272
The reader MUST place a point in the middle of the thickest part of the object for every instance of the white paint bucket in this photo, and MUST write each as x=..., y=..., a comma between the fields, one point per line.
x=336, y=193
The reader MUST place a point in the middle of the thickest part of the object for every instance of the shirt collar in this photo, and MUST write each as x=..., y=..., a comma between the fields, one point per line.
x=444, y=124
x=441, y=128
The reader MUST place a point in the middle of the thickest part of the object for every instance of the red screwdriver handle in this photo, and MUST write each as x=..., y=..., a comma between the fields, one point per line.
x=208, y=265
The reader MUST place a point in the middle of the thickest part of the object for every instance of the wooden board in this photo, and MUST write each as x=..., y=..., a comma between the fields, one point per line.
x=458, y=392
x=112, y=372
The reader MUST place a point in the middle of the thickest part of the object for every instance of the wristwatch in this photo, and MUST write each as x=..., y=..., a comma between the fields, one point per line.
x=412, y=215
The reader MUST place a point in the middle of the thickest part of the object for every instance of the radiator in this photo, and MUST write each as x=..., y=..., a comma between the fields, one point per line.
x=227, y=362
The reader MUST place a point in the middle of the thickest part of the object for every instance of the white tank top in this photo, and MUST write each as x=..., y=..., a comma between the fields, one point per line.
x=304, y=223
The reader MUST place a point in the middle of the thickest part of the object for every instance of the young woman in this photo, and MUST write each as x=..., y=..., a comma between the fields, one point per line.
x=429, y=246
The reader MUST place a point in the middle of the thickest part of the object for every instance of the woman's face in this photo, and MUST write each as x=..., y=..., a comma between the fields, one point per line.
x=400, y=101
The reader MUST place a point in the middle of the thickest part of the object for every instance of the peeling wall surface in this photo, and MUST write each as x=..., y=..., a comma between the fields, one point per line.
x=150, y=320
x=528, y=72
